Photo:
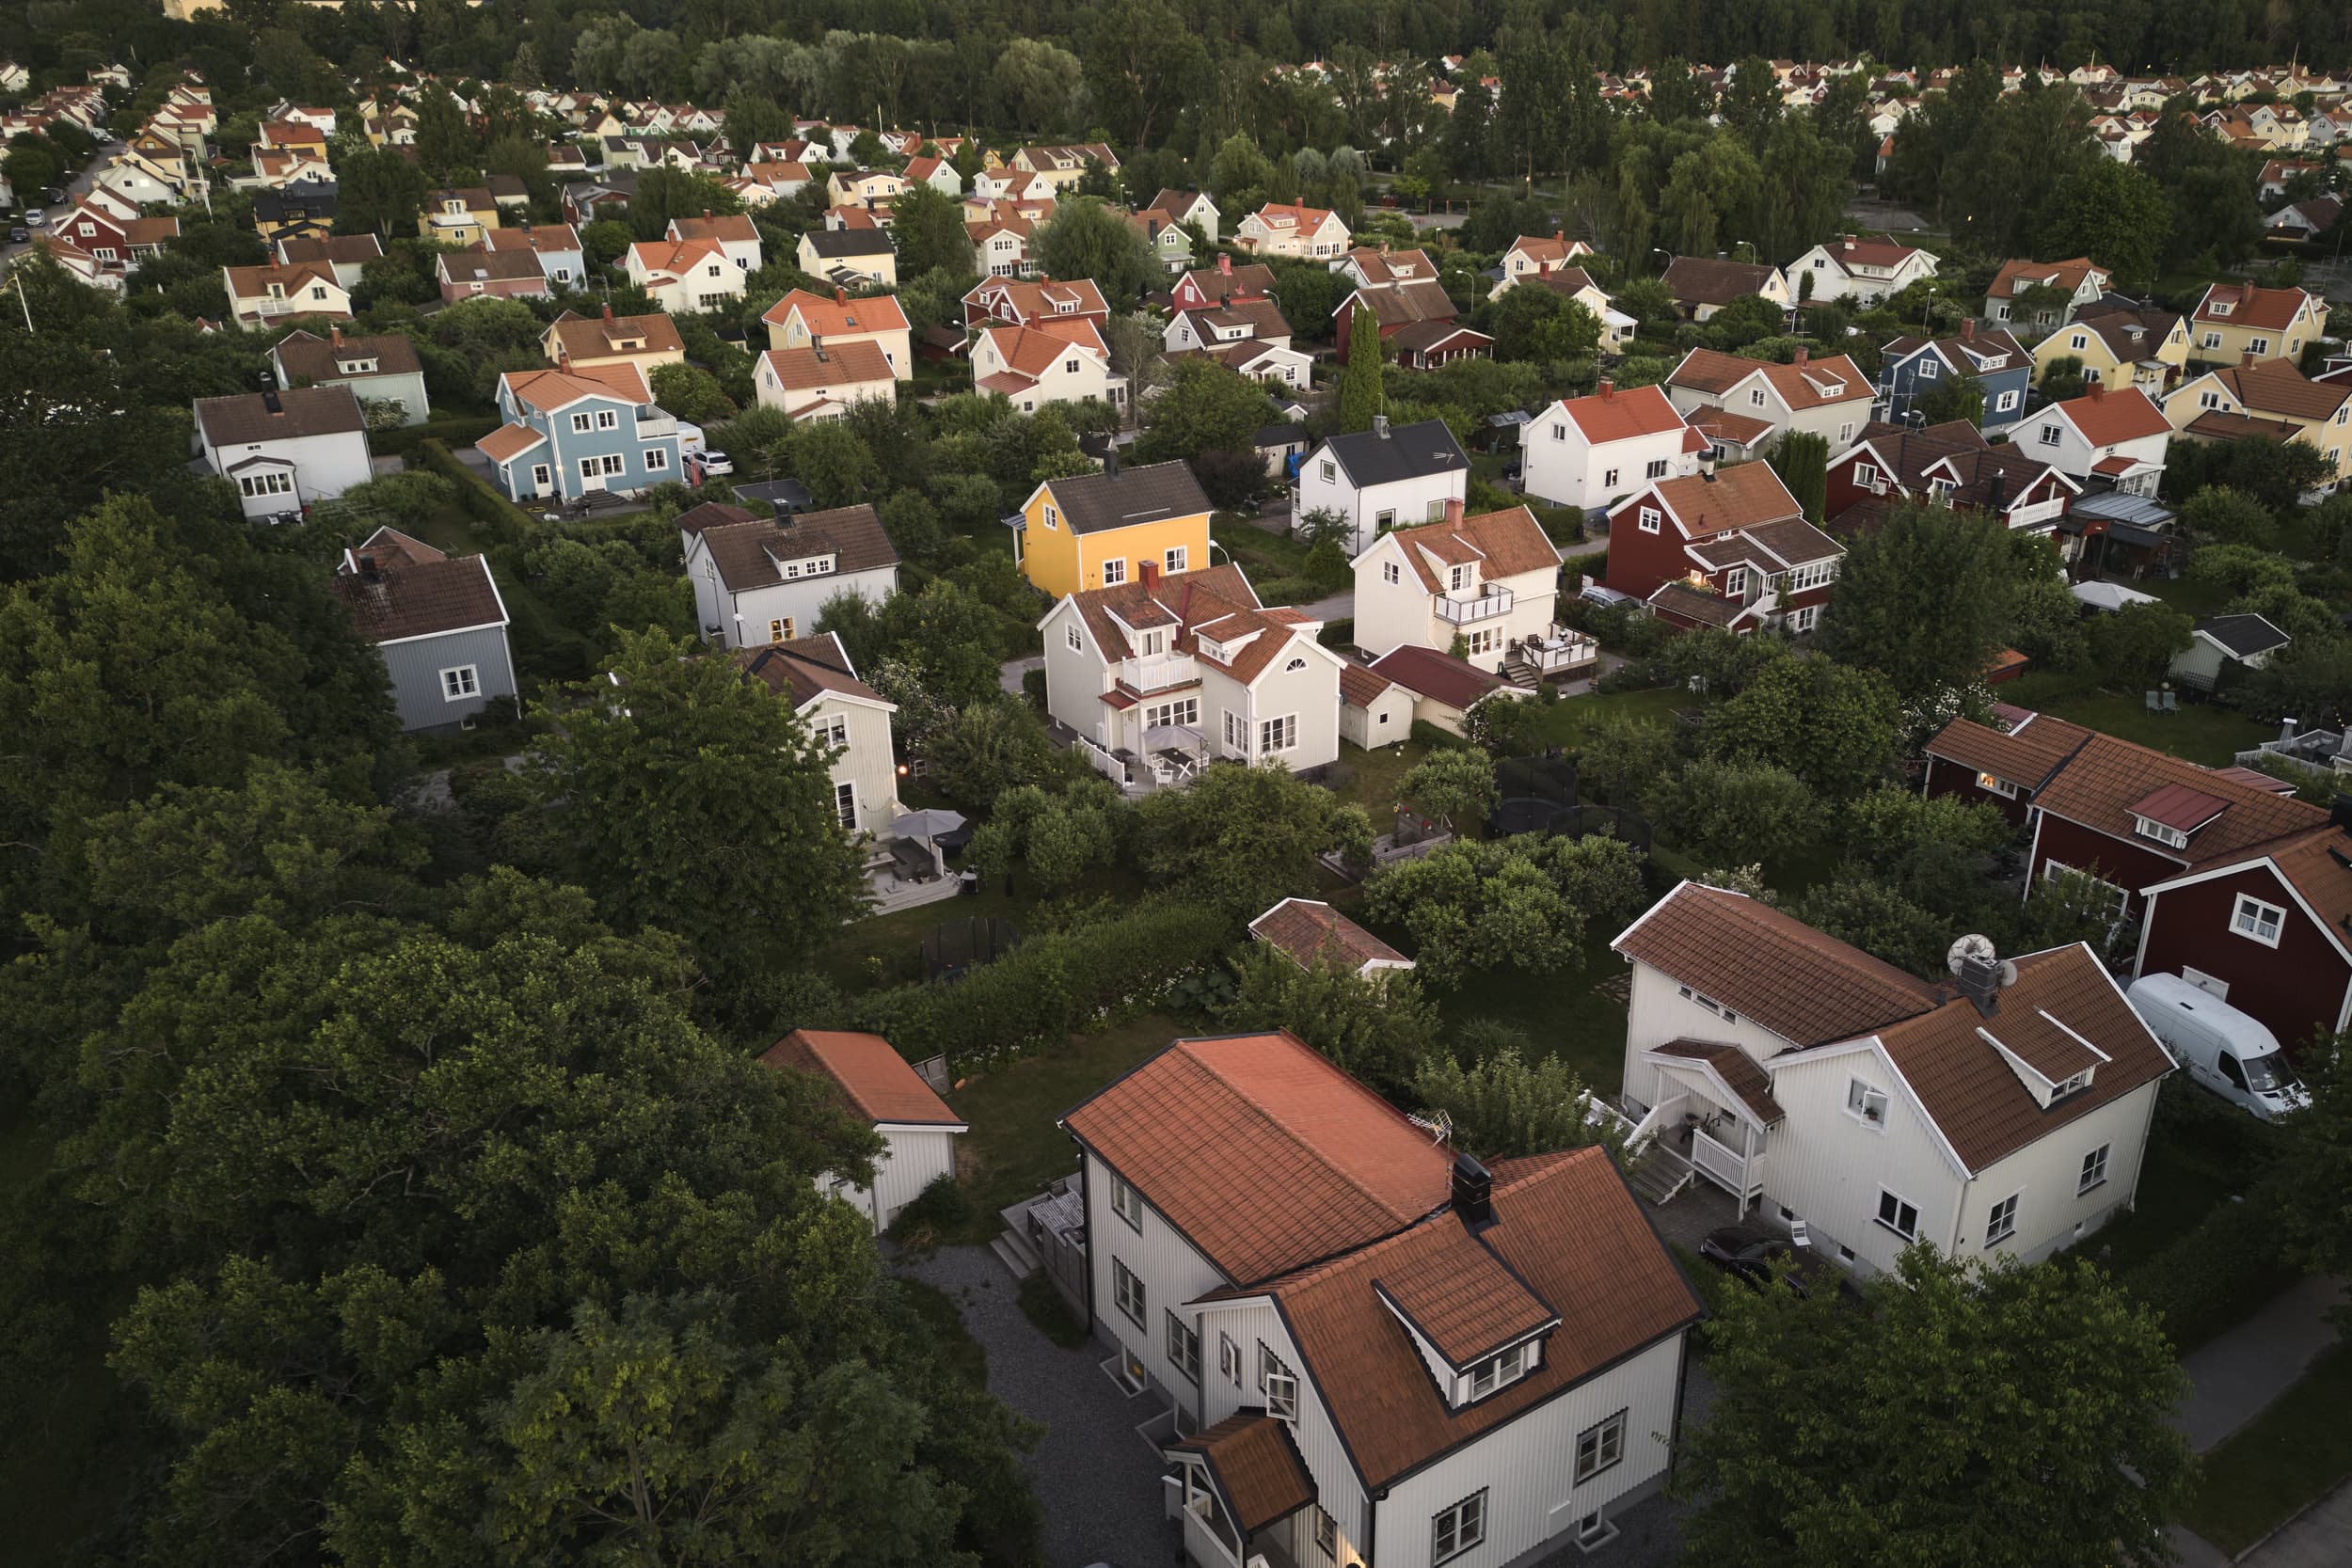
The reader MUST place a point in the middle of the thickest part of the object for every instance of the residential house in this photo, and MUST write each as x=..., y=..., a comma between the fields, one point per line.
x=439, y=624
x=2121, y=346
x=1383, y=477
x=800, y=318
x=347, y=255
x=2116, y=437
x=1588, y=452
x=1205, y=286
x=2266, y=399
x=475, y=273
x=302, y=211
x=1016, y=302
x=1287, y=229
x=557, y=244
x=1054, y=361
x=849, y=717
x=1830, y=397
x=1309, y=932
x=1729, y=550
x=1249, y=336
x=938, y=173
x=1159, y=673
x=766, y=580
x=1000, y=240
x=1534, y=256
x=380, y=368
x=2305, y=220
x=735, y=235
x=877, y=1088
x=1491, y=581
x=1287, y=1272
x=1946, y=464
x=1868, y=1111
x=605, y=339
x=2237, y=889
x=119, y=244
x=2222, y=645
x=850, y=258
x=80, y=265
x=1700, y=286
x=864, y=187
x=2233, y=319
x=286, y=449
x=1372, y=266
x=260, y=296
x=1617, y=328
x=459, y=217
x=1913, y=369
x=822, y=380
x=1373, y=709
x=684, y=277
x=2001, y=765
x=579, y=430
x=1097, y=530
x=1413, y=313
x=1861, y=269
x=2059, y=289
x=1169, y=244
x=1192, y=207
x=1063, y=168
x=14, y=77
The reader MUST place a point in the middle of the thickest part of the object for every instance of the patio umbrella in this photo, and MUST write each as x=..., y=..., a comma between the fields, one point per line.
x=927, y=824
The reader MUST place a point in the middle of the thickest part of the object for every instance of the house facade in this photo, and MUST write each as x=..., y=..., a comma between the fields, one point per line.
x=2147, y=349
x=1100, y=530
x=823, y=381
x=1912, y=369
x=439, y=624
x=1288, y=230
x=1287, y=1300
x=1729, y=550
x=764, y=580
x=2266, y=399
x=1944, y=465
x=684, y=277
x=1493, y=580
x=578, y=430
x=877, y=1088
x=1830, y=397
x=1880, y=1111
x=849, y=717
x=1383, y=477
x=1536, y=256
x=2233, y=320
x=800, y=318
x=2039, y=296
x=378, y=369
x=850, y=258
x=1054, y=361
x=285, y=450
x=2119, y=437
x=260, y=296
x=1700, y=285
x=1588, y=452
x=1862, y=269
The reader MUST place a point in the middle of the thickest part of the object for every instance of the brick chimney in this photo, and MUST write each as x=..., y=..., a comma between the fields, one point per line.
x=706, y=214
x=2098, y=391
x=840, y=295
x=2245, y=359
x=2246, y=293
x=1968, y=330
x=334, y=336
x=1225, y=265
x=1149, y=572
x=1452, y=512
x=1803, y=354
x=1608, y=389
x=608, y=312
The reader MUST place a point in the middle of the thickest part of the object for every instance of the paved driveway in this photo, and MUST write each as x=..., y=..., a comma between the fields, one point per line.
x=1098, y=1481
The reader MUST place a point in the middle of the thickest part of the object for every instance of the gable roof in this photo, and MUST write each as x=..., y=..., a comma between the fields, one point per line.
x=1307, y=929
x=1386, y=454
x=2130, y=335
x=803, y=668
x=397, y=587
x=248, y=416
x=834, y=244
x=1213, y=606
x=870, y=1076
x=746, y=554
x=2105, y=419
x=1850, y=251
x=2102, y=782
x=549, y=390
x=1810, y=384
x=306, y=355
x=476, y=264
x=2243, y=635
x=1804, y=985
x=1265, y=1155
x=2276, y=387
x=2015, y=277
x=1151, y=493
x=2025, y=755
x=599, y=337
x=1437, y=674
x=2249, y=305
x=1254, y=1463
x=1505, y=543
x=1978, y=352
x=1742, y=495
x=840, y=315
x=1701, y=280
x=847, y=361
x=1608, y=415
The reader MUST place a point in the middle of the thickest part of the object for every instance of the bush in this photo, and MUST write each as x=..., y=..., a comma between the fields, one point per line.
x=2216, y=1275
x=1429, y=734
x=939, y=1213
x=502, y=519
x=1033, y=688
x=462, y=431
x=1338, y=633
x=1587, y=568
x=1279, y=591
x=1563, y=525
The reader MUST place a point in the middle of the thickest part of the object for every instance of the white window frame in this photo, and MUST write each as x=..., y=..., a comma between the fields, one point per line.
x=656, y=460
x=1735, y=582
x=1497, y=1371
x=1114, y=571
x=1484, y=639
x=1994, y=785
x=2251, y=914
x=1600, y=1447
x=1609, y=479
x=1176, y=561
x=1278, y=734
x=1278, y=1384
x=461, y=683
x=2094, y=1171
x=834, y=729
x=1127, y=1292
x=1860, y=1094
x=608, y=419
x=581, y=424
x=1127, y=1203
x=1458, y=1529
x=1390, y=573
x=1327, y=1535
x=1804, y=619
x=1648, y=519
x=542, y=479
x=1228, y=1359
x=845, y=803
x=1887, y=1197
x=1657, y=468
x=2051, y=435
x=2000, y=1223
x=2006, y=402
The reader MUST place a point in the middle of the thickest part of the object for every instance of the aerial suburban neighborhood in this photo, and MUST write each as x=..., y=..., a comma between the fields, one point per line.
x=1106, y=785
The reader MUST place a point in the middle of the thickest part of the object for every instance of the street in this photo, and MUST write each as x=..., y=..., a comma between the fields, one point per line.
x=74, y=190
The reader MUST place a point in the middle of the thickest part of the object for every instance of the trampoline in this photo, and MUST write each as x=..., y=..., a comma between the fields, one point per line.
x=1604, y=822
x=953, y=947
x=1524, y=814
x=1536, y=792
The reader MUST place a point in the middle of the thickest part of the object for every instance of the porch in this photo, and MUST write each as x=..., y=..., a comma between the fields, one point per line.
x=1170, y=757
x=1713, y=1123
x=1240, y=1493
x=1560, y=653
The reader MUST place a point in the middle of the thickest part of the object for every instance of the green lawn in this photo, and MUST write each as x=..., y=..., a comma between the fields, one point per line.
x=1261, y=554
x=1014, y=1150
x=1370, y=779
x=2199, y=731
x=2289, y=1455
x=1576, y=1015
x=2188, y=596
x=886, y=949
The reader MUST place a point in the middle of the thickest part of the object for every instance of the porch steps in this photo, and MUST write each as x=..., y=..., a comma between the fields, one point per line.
x=1013, y=1250
x=1520, y=672
x=1659, y=1175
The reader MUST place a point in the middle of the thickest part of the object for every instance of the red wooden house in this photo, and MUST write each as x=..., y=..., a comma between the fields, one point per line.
x=1729, y=550
x=1204, y=286
x=1951, y=465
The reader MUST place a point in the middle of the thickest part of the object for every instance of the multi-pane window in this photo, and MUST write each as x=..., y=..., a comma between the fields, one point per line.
x=1649, y=519
x=834, y=729
x=657, y=459
x=1114, y=572
x=1126, y=1202
x=2000, y=1224
x=1278, y=1384
x=1229, y=1359
x=1127, y=1290
x=460, y=683
x=1866, y=1101
x=1456, y=1529
x=1599, y=1447
x=1185, y=712
x=1070, y=635
x=1176, y=559
x=269, y=483
x=1898, y=1216
x=1184, y=1347
x=1657, y=468
x=1279, y=735
x=2256, y=919
x=845, y=802
x=2094, y=1170
x=1497, y=1371
x=1327, y=1535
x=1388, y=572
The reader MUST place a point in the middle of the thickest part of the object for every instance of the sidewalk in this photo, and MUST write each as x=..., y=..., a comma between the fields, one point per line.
x=2230, y=1380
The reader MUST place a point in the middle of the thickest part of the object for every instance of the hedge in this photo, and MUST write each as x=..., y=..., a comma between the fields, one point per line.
x=1338, y=633
x=456, y=431
x=503, y=520
x=1047, y=989
x=2215, y=1276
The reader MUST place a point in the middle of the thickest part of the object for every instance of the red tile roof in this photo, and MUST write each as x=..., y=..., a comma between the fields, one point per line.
x=1255, y=1466
x=1308, y=930
x=1613, y=416
x=2107, y=778
x=873, y=1078
x=2105, y=419
x=1815, y=384
x=1439, y=676
x=2180, y=806
x=2024, y=756
x=1506, y=543
x=2273, y=310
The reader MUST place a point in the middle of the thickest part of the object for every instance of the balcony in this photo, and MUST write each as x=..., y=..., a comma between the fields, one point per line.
x=659, y=425
x=1160, y=673
x=1495, y=601
x=2039, y=512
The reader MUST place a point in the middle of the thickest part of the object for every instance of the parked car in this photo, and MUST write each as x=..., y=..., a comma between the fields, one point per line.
x=36, y=217
x=2221, y=1046
x=703, y=467
x=19, y=236
x=1749, y=1257
x=1598, y=594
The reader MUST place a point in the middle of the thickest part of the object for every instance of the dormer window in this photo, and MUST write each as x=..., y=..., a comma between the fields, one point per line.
x=1458, y=578
x=2162, y=832
x=1500, y=1372
x=2220, y=309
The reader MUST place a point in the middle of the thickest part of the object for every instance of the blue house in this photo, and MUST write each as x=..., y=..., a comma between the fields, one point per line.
x=573, y=431
x=1916, y=368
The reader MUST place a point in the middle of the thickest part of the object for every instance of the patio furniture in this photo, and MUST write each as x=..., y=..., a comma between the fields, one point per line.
x=2171, y=702
x=915, y=863
x=1799, y=1234
x=2156, y=702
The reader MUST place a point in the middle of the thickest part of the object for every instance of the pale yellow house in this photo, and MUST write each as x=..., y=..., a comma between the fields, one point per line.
x=2265, y=400
x=2147, y=349
x=2235, y=320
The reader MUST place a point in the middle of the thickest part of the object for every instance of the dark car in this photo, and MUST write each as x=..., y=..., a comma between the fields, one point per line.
x=19, y=236
x=1748, y=1255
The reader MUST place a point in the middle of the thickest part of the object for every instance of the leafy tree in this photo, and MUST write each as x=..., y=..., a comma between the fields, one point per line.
x=2062, y=378
x=1206, y=406
x=1956, y=398
x=1039, y=81
x=1924, y=601
x=691, y=393
x=2136, y=644
x=1731, y=813
x=1621, y=754
x=1889, y=1433
x=1531, y=322
x=1801, y=460
x=2112, y=213
x=926, y=225
x=2217, y=515
x=948, y=637
x=2316, y=1207
x=1524, y=902
x=1881, y=919
x=1143, y=64
x=1057, y=837
x=1837, y=728
x=696, y=801
x=1380, y=1028
x=1503, y=1106
x=1456, y=786
x=988, y=749
x=1361, y=394
x=1087, y=237
x=2072, y=907
x=1242, y=838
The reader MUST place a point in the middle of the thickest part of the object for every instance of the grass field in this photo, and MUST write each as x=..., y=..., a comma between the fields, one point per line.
x=2289, y=1455
x=2200, y=732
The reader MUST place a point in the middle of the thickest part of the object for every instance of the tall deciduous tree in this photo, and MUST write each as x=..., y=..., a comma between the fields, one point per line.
x=1362, y=395
x=926, y=225
x=1087, y=237
x=2113, y=214
x=1380, y=1028
x=1924, y=601
x=1504, y=1105
x=1240, y=838
x=1837, y=728
x=1525, y=902
x=2006, y=1417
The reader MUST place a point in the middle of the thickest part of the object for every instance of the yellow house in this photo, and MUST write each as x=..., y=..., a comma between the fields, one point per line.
x=2265, y=400
x=458, y=217
x=2122, y=348
x=2235, y=320
x=1101, y=529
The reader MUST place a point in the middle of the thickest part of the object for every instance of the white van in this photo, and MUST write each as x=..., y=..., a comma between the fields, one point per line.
x=2222, y=1048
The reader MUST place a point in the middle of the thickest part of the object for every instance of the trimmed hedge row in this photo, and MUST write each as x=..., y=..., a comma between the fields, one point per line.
x=505, y=520
x=1048, y=988
x=1338, y=633
x=455, y=431
x=2215, y=1276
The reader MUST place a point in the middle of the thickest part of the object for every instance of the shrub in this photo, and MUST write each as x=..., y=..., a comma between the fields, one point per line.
x=939, y=1213
x=1338, y=633
x=1275, y=590
x=461, y=431
x=500, y=519
x=1429, y=734
x=1033, y=688
x=2215, y=1276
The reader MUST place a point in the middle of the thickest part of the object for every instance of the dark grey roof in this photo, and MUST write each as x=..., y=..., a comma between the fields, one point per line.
x=1404, y=452
x=2118, y=508
x=315, y=197
x=1280, y=434
x=1091, y=502
x=2244, y=635
x=249, y=416
x=790, y=492
x=834, y=244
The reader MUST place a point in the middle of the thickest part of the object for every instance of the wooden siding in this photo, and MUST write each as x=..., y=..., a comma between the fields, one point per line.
x=1173, y=1271
x=416, y=670
x=1828, y=1167
x=1658, y=1013
x=2295, y=989
x=2044, y=1173
x=1253, y=1323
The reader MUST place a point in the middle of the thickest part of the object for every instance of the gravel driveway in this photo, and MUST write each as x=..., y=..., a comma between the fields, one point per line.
x=1099, y=1482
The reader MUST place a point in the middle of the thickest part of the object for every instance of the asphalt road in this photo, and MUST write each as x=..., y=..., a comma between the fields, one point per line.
x=75, y=191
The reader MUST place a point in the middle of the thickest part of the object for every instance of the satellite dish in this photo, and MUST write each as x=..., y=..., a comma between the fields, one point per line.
x=1972, y=946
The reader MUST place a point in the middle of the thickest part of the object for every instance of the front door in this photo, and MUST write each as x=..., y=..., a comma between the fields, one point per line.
x=592, y=473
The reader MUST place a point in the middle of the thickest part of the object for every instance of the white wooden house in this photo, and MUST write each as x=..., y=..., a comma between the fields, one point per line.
x=876, y=1086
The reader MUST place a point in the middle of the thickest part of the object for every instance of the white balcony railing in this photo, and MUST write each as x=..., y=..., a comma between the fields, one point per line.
x=660, y=424
x=1486, y=607
x=2039, y=512
x=1158, y=674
